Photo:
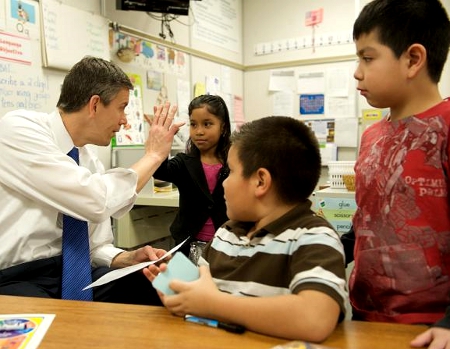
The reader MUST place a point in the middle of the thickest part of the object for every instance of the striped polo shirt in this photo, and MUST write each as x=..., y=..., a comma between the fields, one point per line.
x=298, y=251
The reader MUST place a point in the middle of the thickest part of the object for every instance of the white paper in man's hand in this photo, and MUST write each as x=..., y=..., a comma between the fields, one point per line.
x=118, y=273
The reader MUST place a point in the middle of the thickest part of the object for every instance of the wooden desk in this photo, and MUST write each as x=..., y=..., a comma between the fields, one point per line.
x=105, y=326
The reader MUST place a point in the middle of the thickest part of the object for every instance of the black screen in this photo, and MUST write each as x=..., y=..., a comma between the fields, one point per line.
x=177, y=7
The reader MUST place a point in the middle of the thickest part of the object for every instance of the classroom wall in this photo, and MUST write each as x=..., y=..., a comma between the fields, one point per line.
x=275, y=22
x=278, y=24
x=286, y=19
x=256, y=22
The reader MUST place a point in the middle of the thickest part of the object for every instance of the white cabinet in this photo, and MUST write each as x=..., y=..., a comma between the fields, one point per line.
x=148, y=221
x=150, y=218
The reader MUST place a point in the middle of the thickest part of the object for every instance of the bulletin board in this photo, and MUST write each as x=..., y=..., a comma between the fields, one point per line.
x=329, y=92
x=313, y=91
x=210, y=47
x=159, y=74
x=165, y=72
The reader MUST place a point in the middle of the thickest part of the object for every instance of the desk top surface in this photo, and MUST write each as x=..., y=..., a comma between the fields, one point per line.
x=105, y=325
x=169, y=199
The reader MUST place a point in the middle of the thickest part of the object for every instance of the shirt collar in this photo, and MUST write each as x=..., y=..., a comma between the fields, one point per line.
x=62, y=136
x=289, y=220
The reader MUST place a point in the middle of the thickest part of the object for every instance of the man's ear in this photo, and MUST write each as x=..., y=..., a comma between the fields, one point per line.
x=263, y=182
x=417, y=56
x=93, y=104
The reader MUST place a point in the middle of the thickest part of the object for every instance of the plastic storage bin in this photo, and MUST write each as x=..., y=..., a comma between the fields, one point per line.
x=335, y=171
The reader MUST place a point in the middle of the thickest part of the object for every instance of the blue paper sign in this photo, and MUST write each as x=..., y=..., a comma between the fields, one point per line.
x=312, y=104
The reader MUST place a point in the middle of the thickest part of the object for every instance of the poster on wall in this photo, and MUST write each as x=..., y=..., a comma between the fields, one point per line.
x=23, y=84
x=147, y=55
x=22, y=18
x=159, y=66
x=311, y=82
x=60, y=48
x=324, y=130
x=133, y=133
x=312, y=104
x=283, y=103
x=222, y=29
x=282, y=80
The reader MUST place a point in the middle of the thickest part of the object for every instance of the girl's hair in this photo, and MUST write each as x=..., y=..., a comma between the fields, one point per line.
x=216, y=106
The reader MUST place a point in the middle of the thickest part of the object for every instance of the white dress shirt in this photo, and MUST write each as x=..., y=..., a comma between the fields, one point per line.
x=39, y=182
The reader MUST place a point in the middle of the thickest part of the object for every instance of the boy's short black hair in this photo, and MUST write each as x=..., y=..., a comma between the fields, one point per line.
x=284, y=146
x=401, y=23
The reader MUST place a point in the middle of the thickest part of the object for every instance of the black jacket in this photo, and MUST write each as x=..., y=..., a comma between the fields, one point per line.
x=197, y=204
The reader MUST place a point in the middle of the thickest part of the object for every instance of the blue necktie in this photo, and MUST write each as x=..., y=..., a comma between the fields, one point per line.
x=76, y=270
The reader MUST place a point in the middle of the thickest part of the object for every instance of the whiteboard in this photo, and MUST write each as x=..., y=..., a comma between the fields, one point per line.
x=69, y=34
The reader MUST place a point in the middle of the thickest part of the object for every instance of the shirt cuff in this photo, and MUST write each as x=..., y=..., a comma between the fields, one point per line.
x=104, y=255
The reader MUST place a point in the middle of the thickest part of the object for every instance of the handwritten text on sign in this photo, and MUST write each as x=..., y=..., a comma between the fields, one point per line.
x=30, y=91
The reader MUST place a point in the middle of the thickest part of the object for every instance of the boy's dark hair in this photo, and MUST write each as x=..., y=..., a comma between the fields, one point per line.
x=284, y=146
x=91, y=76
x=401, y=23
x=216, y=106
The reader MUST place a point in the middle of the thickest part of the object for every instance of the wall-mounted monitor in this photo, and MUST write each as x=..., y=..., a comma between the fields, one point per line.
x=176, y=7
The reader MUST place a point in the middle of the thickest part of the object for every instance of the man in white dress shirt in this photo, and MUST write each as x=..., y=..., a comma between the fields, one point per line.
x=39, y=183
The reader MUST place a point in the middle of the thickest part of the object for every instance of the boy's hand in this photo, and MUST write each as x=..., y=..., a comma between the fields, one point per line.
x=195, y=297
x=435, y=337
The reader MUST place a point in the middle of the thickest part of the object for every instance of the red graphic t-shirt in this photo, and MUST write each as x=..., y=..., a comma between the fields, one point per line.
x=402, y=224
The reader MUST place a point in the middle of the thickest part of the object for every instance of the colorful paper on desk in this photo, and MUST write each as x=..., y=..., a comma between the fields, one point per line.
x=300, y=345
x=119, y=273
x=179, y=267
x=23, y=331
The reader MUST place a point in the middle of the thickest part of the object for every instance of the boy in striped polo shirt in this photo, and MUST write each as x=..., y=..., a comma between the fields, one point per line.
x=274, y=267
